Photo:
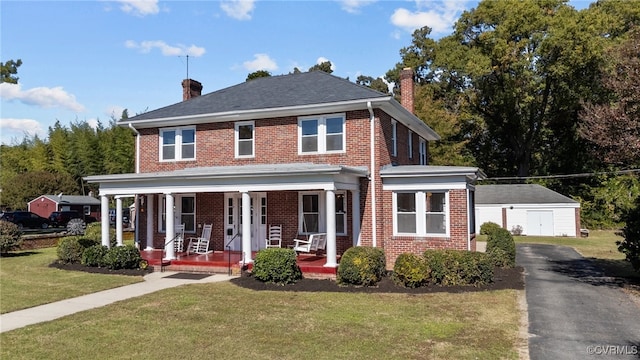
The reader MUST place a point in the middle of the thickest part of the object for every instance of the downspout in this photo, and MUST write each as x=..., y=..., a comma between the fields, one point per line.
x=469, y=210
x=135, y=199
x=372, y=177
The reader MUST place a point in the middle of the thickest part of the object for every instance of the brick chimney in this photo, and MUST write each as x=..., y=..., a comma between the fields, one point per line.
x=190, y=89
x=406, y=89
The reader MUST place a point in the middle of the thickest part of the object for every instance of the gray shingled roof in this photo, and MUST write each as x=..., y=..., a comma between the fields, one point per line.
x=315, y=87
x=519, y=194
x=73, y=199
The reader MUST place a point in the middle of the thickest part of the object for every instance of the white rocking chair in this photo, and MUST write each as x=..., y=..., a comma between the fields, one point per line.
x=178, y=240
x=200, y=245
x=315, y=242
x=275, y=237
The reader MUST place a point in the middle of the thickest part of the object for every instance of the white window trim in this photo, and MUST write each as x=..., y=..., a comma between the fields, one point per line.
x=421, y=223
x=322, y=134
x=394, y=138
x=178, y=143
x=423, y=151
x=237, y=139
x=345, y=213
x=177, y=203
x=322, y=210
x=410, y=145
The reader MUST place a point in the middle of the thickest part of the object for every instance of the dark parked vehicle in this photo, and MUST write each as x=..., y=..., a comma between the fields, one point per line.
x=26, y=219
x=61, y=218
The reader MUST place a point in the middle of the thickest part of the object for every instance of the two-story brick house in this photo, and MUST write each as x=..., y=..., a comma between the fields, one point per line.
x=310, y=151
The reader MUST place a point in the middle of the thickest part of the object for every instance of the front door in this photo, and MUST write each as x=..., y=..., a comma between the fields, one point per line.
x=233, y=221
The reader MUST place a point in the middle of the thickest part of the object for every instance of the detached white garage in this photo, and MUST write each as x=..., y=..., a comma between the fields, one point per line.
x=537, y=210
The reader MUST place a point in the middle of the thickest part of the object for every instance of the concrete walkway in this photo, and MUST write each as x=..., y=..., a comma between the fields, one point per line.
x=152, y=282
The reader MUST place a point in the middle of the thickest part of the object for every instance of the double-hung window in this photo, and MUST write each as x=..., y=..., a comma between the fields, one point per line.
x=184, y=211
x=421, y=213
x=394, y=138
x=321, y=134
x=423, y=151
x=410, y=144
x=178, y=143
x=244, y=139
x=312, y=212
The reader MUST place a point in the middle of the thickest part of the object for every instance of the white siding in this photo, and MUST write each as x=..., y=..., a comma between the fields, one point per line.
x=564, y=216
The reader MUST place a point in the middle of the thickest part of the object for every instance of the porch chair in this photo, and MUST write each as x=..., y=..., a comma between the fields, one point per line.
x=275, y=237
x=178, y=240
x=317, y=241
x=200, y=245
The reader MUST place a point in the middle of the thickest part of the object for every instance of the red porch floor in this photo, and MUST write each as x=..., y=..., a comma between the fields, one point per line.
x=312, y=266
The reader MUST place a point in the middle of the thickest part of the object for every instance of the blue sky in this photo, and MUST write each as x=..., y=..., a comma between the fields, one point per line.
x=89, y=60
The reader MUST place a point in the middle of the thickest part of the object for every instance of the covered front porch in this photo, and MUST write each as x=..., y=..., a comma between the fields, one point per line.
x=230, y=262
x=240, y=202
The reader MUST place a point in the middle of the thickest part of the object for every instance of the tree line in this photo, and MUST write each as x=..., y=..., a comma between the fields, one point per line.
x=528, y=91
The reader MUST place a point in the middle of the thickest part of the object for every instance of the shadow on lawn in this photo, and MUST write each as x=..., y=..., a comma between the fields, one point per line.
x=19, y=254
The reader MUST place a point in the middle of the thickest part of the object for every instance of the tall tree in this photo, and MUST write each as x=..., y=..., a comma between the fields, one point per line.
x=613, y=124
x=258, y=74
x=377, y=84
x=323, y=66
x=8, y=70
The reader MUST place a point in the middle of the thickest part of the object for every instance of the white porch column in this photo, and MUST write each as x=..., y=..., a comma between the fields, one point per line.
x=118, y=221
x=355, y=216
x=104, y=220
x=246, y=228
x=170, y=232
x=149, y=222
x=331, y=229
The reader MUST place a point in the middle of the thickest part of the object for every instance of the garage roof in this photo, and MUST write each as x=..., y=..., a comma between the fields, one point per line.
x=519, y=194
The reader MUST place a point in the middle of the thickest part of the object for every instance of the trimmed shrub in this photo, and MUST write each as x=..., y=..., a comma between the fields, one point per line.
x=123, y=257
x=94, y=231
x=411, y=271
x=361, y=265
x=489, y=227
x=9, y=236
x=94, y=255
x=501, y=248
x=456, y=267
x=276, y=265
x=69, y=250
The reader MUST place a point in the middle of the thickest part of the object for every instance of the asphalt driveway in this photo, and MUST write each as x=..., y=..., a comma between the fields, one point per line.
x=575, y=312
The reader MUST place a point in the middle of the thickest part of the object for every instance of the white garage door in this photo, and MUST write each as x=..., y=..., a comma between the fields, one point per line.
x=539, y=223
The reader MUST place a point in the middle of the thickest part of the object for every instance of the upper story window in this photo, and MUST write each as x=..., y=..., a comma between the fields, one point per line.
x=321, y=134
x=410, y=142
x=245, y=139
x=421, y=213
x=423, y=151
x=178, y=143
x=394, y=138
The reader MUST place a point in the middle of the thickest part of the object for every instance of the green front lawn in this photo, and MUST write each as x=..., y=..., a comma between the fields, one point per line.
x=223, y=321
x=26, y=280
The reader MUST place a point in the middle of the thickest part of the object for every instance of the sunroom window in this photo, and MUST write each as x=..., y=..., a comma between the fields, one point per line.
x=421, y=213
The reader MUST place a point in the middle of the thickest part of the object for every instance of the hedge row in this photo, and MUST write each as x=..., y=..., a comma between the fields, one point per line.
x=443, y=267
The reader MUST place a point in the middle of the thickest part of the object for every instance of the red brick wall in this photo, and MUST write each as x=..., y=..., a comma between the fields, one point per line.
x=276, y=141
x=458, y=230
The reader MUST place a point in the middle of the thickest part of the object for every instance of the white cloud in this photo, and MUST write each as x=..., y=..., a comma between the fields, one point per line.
x=260, y=62
x=40, y=96
x=114, y=112
x=165, y=49
x=139, y=7
x=238, y=9
x=438, y=15
x=17, y=129
x=353, y=6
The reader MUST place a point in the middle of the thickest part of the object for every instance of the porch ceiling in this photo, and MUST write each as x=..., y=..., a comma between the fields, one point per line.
x=266, y=177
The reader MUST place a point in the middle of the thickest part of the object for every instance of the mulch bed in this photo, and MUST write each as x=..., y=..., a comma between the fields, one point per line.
x=503, y=279
x=100, y=270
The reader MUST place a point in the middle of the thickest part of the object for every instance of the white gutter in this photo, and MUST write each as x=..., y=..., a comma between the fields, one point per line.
x=372, y=176
x=137, y=147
